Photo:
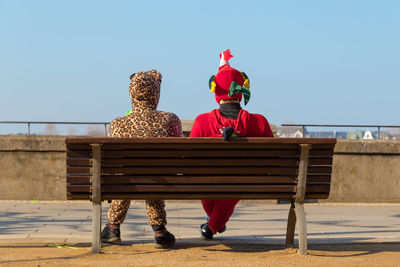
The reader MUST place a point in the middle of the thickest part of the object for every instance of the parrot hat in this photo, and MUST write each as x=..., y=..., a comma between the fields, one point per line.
x=229, y=83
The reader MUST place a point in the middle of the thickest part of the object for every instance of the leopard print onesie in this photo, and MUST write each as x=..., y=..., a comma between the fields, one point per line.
x=144, y=121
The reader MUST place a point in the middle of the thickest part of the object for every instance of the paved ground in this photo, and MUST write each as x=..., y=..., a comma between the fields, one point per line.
x=70, y=222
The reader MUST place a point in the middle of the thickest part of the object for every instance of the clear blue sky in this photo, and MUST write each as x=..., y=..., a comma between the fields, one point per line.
x=308, y=61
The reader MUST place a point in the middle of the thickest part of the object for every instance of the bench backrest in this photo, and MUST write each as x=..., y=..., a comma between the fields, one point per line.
x=199, y=168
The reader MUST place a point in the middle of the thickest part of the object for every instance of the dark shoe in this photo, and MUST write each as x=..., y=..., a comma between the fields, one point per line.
x=223, y=229
x=110, y=235
x=166, y=240
x=206, y=232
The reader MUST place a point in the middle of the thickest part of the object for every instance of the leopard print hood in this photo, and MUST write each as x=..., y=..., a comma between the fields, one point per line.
x=144, y=89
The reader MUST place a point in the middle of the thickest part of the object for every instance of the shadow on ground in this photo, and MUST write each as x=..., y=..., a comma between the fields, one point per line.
x=352, y=250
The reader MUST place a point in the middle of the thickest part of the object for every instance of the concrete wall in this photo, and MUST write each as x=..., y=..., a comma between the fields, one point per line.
x=366, y=171
x=33, y=168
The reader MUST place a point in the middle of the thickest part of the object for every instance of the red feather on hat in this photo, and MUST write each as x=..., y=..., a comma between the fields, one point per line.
x=227, y=54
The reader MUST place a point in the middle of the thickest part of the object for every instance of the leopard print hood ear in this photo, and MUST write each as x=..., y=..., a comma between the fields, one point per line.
x=144, y=89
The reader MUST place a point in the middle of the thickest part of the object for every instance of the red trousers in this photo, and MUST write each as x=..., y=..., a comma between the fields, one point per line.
x=219, y=212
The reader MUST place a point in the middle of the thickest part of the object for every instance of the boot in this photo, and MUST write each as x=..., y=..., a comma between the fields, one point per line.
x=111, y=234
x=162, y=237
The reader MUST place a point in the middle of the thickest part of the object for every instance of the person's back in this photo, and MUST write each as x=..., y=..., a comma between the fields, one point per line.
x=229, y=86
x=143, y=121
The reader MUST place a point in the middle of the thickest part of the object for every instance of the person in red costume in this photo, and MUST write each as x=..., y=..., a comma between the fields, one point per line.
x=230, y=120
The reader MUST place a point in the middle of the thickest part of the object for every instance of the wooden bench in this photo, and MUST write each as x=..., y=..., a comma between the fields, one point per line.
x=294, y=169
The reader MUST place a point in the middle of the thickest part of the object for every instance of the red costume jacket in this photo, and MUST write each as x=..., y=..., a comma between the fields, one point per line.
x=246, y=125
x=211, y=125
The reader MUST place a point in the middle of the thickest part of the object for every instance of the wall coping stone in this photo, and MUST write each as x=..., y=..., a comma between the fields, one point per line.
x=391, y=147
x=32, y=143
x=57, y=144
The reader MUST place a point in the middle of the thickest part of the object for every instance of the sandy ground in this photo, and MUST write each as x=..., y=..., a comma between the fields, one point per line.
x=129, y=254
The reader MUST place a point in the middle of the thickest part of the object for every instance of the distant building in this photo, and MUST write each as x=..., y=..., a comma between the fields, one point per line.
x=289, y=132
x=297, y=132
x=321, y=134
x=368, y=135
x=354, y=135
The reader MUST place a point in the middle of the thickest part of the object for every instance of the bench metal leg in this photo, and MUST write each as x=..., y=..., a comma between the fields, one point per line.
x=291, y=225
x=302, y=228
x=299, y=199
x=96, y=227
x=96, y=198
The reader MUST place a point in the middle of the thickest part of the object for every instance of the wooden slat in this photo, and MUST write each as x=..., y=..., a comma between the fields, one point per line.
x=207, y=188
x=198, y=196
x=197, y=188
x=198, y=170
x=156, y=153
x=119, y=179
x=79, y=147
x=71, y=188
x=192, y=170
x=320, y=160
x=288, y=196
x=197, y=146
x=78, y=196
x=198, y=179
x=201, y=171
x=319, y=178
x=79, y=154
x=86, y=181
x=323, y=146
x=175, y=140
x=78, y=170
x=205, y=170
x=200, y=162
x=78, y=179
x=78, y=162
x=319, y=169
x=321, y=153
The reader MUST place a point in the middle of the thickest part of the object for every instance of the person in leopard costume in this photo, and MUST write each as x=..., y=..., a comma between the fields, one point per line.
x=144, y=120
